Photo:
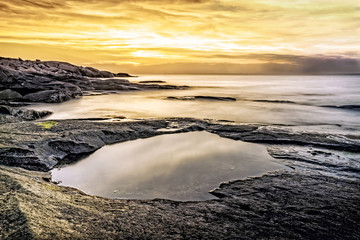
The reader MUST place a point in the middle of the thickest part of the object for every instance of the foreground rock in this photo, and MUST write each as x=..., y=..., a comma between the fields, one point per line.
x=274, y=206
x=311, y=202
x=52, y=81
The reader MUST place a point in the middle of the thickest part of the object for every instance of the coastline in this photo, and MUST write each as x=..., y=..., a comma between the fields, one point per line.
x=313, y=201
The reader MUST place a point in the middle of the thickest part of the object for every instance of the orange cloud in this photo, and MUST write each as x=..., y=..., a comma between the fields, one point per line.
x=168, y=32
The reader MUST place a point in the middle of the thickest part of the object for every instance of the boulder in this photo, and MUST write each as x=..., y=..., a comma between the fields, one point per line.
x=41, y=96
x=6, y=110
x=9, y=94
x=50, y=96
x=10, y=114
x=30, y=114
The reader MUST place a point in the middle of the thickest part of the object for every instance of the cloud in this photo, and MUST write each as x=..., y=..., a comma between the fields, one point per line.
x=4, y=7
x=41, y=4
x=299, y=65
x=142, y=1
x=118, y=61
x=330, y=64
x=299, y=35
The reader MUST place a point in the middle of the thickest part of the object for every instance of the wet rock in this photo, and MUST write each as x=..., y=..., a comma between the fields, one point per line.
x=29, y=114
x=159, y=86
x=347, y=107
x=215, y=98
x=125, y=85
x=205, y=98
x=73, y=149
x=10, y=114
x=60, y=144
x=286, y=136
x=153, y=81
x=14, y=104
x=274, y=101
x=328, y=162
x=51, y=96
x=73, y=138
x=112, y=84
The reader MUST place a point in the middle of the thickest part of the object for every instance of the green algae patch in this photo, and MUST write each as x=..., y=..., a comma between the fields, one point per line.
x=48, y=124
x=54, y=188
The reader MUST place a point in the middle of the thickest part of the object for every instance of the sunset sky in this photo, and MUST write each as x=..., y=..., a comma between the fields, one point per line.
x=187, y=36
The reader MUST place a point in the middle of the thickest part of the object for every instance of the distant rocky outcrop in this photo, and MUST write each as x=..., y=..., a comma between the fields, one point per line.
x=53, y=81
x=152, y=81
x=123, y=75
x=204, y=98
x=347, y=107
x=273, y=101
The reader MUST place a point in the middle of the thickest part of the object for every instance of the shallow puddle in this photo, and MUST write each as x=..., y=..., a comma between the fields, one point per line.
x=182, y=166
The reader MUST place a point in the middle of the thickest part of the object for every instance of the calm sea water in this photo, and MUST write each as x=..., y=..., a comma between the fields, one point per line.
x=308, y=94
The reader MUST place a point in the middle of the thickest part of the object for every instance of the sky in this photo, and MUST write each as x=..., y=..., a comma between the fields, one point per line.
x=187, y=36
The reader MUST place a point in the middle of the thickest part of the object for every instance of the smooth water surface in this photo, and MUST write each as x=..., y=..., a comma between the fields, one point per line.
x=182, y=166
x=306, y=93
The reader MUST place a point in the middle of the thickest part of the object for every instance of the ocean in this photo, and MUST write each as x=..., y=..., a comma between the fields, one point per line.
x=297, y=101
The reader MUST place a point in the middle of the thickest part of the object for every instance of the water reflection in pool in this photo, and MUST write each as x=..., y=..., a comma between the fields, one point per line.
x=179, y=167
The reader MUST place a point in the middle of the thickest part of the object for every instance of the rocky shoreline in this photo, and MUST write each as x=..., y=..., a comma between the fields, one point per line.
x=275, y=206
x=54, y=82
x=319, y=199
x=31, y=146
